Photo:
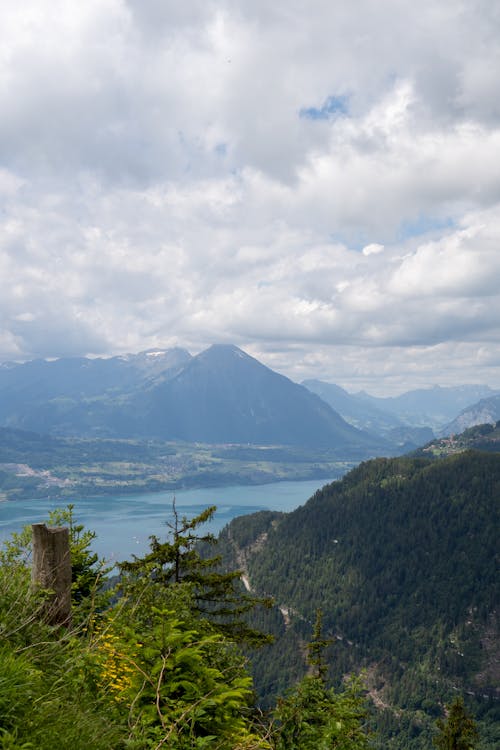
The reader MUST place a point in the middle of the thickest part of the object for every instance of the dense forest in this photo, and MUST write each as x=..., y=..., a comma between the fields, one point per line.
x=402, y=557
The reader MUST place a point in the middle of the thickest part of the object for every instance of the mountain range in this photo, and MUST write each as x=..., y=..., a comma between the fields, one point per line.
x=485, y=411
x=221, y=395
x=415, y=414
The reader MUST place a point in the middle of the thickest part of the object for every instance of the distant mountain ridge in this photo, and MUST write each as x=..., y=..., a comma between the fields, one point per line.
x=430, y=408
x=485, y=411
x=355, y=409
x=83, y=377
x=221, y=395
x=359, y=412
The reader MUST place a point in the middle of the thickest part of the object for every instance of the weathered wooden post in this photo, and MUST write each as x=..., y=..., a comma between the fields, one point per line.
x=52, y=570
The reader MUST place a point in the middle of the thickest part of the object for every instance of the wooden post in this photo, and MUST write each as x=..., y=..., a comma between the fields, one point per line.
x=52, y=570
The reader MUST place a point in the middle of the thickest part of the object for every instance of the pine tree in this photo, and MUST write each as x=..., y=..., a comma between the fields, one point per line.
x=316, y=649
x=314, y=716
x=217, y=596
x=458, y=731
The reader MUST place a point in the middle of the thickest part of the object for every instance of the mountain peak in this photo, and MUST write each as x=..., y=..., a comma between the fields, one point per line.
x=225, y=349
x=224, y=395
x=224, y=355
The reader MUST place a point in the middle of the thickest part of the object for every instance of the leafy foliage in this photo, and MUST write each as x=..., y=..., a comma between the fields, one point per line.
x=149, y=670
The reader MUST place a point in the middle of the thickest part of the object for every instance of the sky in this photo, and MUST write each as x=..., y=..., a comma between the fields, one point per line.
x=316, y=182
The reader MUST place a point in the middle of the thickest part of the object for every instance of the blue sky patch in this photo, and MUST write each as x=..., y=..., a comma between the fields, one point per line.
x=423, y=225
x=332, y=107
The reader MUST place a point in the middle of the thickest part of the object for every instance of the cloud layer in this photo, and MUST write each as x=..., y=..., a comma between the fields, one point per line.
x=320, y=186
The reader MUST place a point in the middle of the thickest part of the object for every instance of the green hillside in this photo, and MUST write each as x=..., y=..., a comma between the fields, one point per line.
x=483, y=437
x=402, y=557
x=33, y=465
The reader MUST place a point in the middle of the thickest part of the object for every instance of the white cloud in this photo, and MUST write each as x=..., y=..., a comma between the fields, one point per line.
x=160, y=187
x=373, y=249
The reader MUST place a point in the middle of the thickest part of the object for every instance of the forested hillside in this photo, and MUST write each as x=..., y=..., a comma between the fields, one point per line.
x=402, y=557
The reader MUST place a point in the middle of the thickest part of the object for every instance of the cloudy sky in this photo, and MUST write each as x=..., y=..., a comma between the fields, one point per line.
x=317, y=182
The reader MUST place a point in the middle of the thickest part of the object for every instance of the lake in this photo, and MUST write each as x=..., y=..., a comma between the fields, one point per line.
x=124, y=523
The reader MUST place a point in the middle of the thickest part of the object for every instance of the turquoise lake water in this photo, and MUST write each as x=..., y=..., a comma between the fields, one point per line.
x=124, y=523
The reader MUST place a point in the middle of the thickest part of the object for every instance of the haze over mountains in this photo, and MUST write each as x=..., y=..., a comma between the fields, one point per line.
x=432, y=408
x=222, y=395
x=485, y=411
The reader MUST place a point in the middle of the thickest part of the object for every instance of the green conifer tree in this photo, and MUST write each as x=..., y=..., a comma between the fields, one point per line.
x=217, y=596
x=314, y=716
x=458, y=731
